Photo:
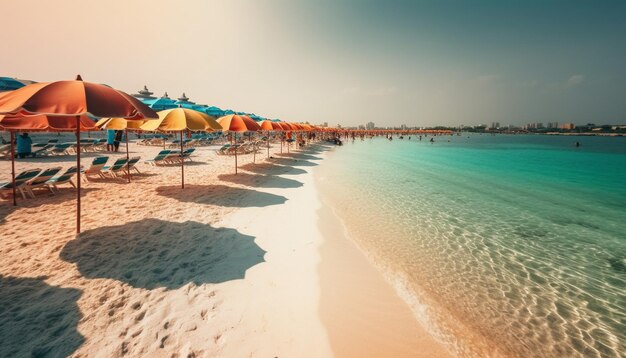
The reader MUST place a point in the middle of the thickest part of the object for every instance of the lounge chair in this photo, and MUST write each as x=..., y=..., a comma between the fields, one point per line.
x=160, y=158
x=187, y=153
x=95, y=170
x=223, y=150
x=115, y=169
x=43, y=150
x=5, y=149
x=62, y=179
x=61, y=149
x=99, y=144
x=20, y=182
x=173, y=158
x=132, y=164
x=40, y=180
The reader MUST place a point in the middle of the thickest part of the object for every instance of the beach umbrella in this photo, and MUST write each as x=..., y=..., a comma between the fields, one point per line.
x=270, y=126
x=238, y=123
x=41, y=122
x=72, y=99
x=180, y=120
x=122, y=124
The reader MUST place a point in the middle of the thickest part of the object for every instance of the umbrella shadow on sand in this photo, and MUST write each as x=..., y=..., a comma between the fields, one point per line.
x=221, y=195
x=260, y=181
x=295, y=155
x=154, y=253
x=38, y=320
x=294, y=162
x=271, y=169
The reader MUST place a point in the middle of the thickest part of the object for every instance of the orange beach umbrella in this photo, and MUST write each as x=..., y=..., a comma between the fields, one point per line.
x=72, y=99
x=238, y=123
x=270, y=126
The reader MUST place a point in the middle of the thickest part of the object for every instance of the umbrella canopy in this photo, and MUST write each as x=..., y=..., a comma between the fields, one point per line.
x=120, y=123
x=71, y=98
x=267, y=125
x=179, y=119
x=238, y=123
x=285, y=126
x=44, y=122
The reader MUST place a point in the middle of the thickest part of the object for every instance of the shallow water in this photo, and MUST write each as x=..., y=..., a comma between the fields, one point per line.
x=503, y=245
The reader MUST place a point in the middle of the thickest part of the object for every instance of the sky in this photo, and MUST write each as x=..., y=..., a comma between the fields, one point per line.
x=419, y=63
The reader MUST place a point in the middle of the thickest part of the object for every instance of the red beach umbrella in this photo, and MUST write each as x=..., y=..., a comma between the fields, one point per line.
x=72, y=99
x=236, y=123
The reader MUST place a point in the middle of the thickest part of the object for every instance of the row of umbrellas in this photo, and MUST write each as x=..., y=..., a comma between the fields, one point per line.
x=70, y=106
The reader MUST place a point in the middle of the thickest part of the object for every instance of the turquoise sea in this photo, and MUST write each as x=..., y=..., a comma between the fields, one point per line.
x=506, y=245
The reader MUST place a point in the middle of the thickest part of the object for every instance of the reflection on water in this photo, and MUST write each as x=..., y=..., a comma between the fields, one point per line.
x=514, y=243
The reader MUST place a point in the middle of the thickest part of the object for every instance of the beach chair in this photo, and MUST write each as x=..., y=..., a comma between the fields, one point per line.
x=43, y=150
x=187, y=153
x=5, y=149
x=160, y=158
x=20, y=182
x=62, y=179
x=173, y=158
x=95, y=170
x=40, y=180
x=61, y=149
x=223, y=150
x=132, y=164
x=115, y=169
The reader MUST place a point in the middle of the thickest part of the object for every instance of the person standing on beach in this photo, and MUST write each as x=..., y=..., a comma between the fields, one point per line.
x=24, y=142
x=118, y=139
x=110, y=139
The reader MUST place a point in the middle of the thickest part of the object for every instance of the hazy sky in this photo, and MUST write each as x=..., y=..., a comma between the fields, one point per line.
x=418, y=63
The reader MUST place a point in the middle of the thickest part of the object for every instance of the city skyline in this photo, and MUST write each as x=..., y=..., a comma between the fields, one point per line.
x=415, y=63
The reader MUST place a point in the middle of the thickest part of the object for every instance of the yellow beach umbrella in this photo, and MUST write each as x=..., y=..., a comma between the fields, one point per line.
x=122, y=124
x=181, y=119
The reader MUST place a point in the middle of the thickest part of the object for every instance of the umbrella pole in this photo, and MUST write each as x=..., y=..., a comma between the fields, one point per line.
x=282, y=138
x=236, y=150
x=268, y=144
x=182, y=161
x=127, y=156
x=253, y=150
x=13, y=167
x=78, y=174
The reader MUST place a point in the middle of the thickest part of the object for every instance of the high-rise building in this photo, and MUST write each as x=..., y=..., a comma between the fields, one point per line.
x=370, y=125
x=553, y=125
x=567, y=126
x=495, y=125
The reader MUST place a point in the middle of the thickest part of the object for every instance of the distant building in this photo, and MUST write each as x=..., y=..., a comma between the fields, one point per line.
x=553, y=125
x=361, y=126
x=144, y=94
x=370, y=125
x=403, y=127
x=567, y=126
x=495, y=125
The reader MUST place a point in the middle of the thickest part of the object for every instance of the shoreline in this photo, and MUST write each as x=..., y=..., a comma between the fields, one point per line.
x=362, y=312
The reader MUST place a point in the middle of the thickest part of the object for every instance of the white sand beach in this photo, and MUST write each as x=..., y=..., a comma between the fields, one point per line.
x=246, y=265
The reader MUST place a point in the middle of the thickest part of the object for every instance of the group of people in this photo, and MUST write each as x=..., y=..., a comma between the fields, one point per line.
x=114, y=138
